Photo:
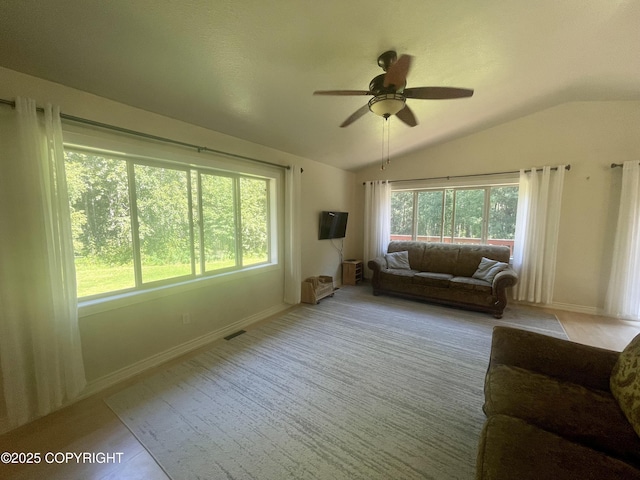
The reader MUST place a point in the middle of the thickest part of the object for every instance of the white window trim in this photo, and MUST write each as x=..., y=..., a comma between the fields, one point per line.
x=125, y=299
x=86, y=139
x=500, y=180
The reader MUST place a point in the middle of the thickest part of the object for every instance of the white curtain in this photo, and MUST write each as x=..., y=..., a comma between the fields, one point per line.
x=377, y=222
x=292, y=244
x=537, y=225
x=623, y=294
x=40, y=352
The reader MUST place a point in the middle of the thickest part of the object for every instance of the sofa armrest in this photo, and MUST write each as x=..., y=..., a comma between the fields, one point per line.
x=504, y=279
x=562, y=359
x=377, y=264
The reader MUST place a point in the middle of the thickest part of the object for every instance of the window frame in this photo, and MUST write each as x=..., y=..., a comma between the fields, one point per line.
x=486, y=184
x=136, y=152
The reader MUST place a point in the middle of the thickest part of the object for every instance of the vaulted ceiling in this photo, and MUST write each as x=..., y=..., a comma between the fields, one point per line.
x=248, y=68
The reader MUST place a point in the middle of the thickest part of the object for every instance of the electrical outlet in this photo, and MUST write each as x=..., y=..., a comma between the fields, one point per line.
x=186, y=318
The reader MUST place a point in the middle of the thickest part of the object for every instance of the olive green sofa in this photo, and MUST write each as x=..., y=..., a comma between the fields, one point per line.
x=447, y=274
x=558, y=409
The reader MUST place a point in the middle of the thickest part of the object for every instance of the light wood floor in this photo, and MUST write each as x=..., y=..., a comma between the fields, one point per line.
x=597, y=330
x=90, y=426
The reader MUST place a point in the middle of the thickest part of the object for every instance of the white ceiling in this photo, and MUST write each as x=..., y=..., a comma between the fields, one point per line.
x=248, y=68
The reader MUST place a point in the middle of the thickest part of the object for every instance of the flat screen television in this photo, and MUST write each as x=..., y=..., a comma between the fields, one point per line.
x=332, y=225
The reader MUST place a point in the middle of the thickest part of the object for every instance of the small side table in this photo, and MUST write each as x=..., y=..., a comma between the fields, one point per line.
x=351, y=272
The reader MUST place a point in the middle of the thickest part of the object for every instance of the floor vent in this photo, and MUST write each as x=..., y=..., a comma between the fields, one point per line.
x=239, y=332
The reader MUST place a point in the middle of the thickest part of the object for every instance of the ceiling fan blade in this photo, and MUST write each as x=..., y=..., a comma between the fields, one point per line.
x=397, y=73
x=356, y=115
x=407, y=116
x=342, y=92
x=437, y=93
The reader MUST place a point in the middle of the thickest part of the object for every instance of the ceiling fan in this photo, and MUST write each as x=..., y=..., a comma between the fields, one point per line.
x=389, y=92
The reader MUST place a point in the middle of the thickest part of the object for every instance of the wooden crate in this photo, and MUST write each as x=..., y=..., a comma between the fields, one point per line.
x=316, y=288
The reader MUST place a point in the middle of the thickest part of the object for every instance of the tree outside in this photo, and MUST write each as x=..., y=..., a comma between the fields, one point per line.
x=456, y=215
x=168, y=246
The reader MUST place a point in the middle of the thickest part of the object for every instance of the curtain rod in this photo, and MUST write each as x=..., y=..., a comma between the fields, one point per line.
x=115, y=128
x=616, y=165
x=567, y=167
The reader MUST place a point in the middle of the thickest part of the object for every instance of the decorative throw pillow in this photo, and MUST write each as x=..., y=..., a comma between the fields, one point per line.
x=488, y=269
x=625, y=382
x=398, y=260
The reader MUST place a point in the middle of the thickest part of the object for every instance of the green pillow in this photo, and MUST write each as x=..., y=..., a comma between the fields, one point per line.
x=625, y=382
x=488, y=269
x=398, y=260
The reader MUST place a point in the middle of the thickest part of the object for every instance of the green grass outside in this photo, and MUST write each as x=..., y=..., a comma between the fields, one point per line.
x=94, y=279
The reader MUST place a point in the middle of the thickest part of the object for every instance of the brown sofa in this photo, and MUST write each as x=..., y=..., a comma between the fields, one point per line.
x=444, y=273
x=551, y=411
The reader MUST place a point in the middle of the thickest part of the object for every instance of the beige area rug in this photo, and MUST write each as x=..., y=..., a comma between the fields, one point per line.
x=357, y=387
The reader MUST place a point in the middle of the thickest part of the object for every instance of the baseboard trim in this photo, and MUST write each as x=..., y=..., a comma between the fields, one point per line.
x=155, y=360
x=137, y=368
x=568, y=307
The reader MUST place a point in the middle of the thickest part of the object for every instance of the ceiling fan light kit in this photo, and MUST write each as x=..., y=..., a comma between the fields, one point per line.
x=387, y=104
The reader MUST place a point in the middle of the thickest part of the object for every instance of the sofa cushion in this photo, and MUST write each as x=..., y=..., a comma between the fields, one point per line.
x=470, y=256
x=440, y=258
x=398, y=260
x=510, y=448
x=397, y=276
x=589, y=417
x=488, y=269
x=625, y=382
x=414, y=249
x=432, y=279
x=555, y=357
x=468, y=283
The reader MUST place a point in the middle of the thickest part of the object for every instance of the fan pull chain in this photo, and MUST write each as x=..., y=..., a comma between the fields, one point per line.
x=388, y=138
x=384, y=123
x=385, y=127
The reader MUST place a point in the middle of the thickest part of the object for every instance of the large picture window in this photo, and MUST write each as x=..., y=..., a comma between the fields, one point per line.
x=479, y=214
x=140, y=223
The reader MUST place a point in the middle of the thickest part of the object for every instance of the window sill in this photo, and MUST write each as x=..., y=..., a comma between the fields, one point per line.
x=95, y=306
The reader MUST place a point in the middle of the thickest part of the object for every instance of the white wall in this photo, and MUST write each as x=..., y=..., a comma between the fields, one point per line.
x=587, y=135
x=325, y=190
x=116, y=340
